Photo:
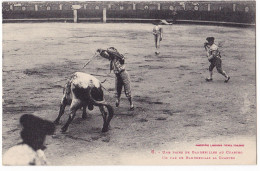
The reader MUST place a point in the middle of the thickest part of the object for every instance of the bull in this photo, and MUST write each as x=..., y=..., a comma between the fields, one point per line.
x=82, y=91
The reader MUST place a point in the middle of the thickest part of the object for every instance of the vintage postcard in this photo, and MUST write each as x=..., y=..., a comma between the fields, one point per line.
x=93, y=83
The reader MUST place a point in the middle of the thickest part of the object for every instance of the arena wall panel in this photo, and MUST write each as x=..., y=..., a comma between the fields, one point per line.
x=226, y=11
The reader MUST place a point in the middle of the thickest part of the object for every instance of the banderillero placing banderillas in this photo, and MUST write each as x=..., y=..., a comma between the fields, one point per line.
x=90, y=59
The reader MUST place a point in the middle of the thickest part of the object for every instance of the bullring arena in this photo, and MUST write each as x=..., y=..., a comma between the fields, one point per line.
x=175, y=108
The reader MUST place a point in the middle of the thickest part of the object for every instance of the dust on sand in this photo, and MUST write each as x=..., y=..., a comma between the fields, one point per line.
x=173, y=101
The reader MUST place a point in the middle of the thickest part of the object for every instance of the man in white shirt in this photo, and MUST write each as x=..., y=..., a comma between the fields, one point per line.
x=30, y=150
x=158, y=34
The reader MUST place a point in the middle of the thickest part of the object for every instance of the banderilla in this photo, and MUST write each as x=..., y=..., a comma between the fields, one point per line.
x=90, y=60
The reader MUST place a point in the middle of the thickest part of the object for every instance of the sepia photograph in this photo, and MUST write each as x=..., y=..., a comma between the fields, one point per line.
x=129, y=83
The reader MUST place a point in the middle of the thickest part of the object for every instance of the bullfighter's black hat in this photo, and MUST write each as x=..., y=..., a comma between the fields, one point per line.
x=210, y=39
x=37, y=125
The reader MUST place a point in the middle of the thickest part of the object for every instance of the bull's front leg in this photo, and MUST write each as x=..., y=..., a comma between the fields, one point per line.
x=84, y=114
x=71, y=117
x=104, y=115
x=62, y=109
x=110, y=114
x=75, y=105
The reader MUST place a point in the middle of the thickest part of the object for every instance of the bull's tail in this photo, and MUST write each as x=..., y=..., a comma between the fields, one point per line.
x=110, y=111
x=98, y=94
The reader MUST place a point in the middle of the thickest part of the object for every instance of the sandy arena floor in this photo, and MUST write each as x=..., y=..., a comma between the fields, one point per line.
x=174, y=104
